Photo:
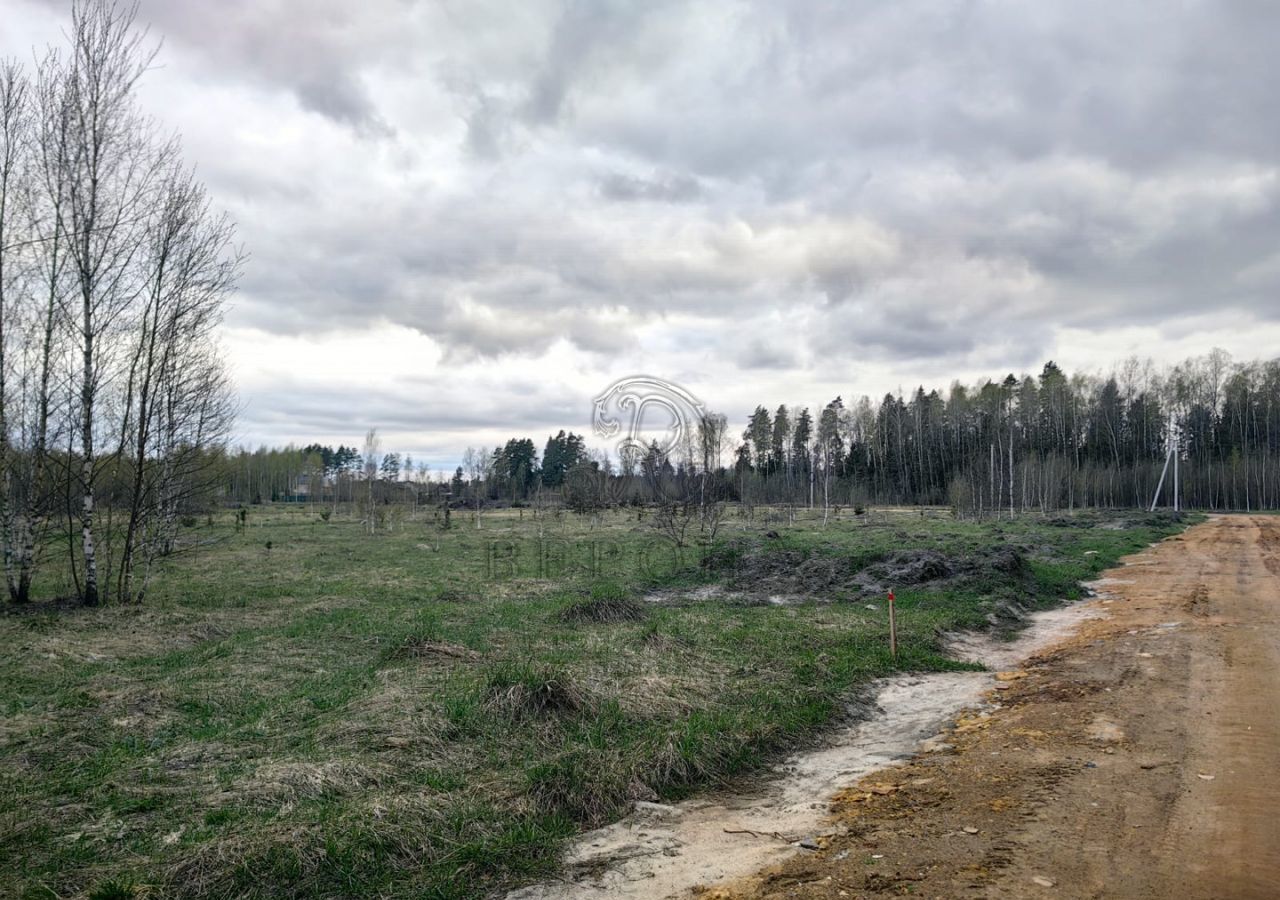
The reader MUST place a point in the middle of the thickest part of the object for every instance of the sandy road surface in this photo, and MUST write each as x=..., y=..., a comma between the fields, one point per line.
x=1139, y=759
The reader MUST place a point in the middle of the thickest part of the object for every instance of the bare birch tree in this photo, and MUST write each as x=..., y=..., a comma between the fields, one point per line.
x=13, y=116
x=125, y=270
x=476, y=463
x=114, y=168
x=372, y=454
x=34, y=289
x=176, y=400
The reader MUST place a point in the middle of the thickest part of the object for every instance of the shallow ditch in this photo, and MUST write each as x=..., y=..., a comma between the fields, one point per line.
x=665, y=850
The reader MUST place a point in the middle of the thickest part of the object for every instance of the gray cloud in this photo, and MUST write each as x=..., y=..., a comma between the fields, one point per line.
x=663, y=188
x=925, y=185
x=344, y=100
x=767, y=354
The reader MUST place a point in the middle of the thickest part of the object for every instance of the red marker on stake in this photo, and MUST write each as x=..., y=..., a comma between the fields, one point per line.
x=893, y=630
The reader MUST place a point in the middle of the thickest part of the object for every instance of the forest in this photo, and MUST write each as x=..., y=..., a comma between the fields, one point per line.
x=1046, y=442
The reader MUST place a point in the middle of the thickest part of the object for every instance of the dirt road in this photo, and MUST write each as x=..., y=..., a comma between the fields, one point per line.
x=1139, y=759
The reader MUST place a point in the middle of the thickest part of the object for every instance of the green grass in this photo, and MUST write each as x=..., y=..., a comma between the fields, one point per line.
x=432, y=713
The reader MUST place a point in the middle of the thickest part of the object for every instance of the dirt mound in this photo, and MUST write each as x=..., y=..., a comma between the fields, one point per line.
x=793, y=573
x=913, y=567
x=819, y=574
x=786, y=572
x=1009, y=560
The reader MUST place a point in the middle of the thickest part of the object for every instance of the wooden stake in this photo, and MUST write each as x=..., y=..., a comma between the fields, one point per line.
x=893, y=630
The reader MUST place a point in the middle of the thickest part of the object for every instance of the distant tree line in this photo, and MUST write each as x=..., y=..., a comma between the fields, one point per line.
x=1044, y=442
x=321, y=473
x=313, y=472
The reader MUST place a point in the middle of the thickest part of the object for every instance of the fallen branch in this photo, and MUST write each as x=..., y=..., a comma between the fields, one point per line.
x=773, y=834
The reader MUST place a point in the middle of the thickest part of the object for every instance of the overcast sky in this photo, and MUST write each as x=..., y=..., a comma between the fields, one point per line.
x=466, y=219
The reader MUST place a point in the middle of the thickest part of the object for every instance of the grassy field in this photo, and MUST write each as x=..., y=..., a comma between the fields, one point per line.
x=305, y=710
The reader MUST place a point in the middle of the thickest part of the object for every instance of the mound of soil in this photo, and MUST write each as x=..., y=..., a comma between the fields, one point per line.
x=819, y=574
x=784, y=572
x=791, y=572
x=1009, y=560
x=913, y=567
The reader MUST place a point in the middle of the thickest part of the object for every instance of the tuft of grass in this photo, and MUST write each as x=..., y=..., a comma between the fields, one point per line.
x=114, y=889
x=521, y=690
x=658, y=636
x=603, y=610
x=424, y=639
x=557, y=785
x=607, y=601
x=424, y=647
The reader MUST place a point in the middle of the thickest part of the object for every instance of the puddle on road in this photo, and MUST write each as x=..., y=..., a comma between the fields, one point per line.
x=663, y=851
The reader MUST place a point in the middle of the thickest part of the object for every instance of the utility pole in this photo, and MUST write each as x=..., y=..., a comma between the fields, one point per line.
x=1170, y=456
